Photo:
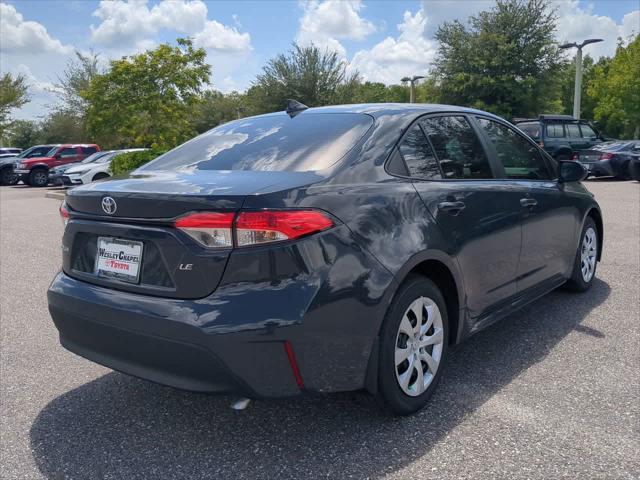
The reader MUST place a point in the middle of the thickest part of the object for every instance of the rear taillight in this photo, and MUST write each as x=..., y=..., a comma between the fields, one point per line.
x=210, y=229
x=575, y=156
x=216, y=230
x=253, y=228
x=606, y=156
x=64, y=214
x=541, y=143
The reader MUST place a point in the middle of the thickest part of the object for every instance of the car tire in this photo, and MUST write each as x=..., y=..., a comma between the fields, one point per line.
x=8, y=177
x=412, y=348
x=38, y=177
x=586, y=259
x=623, y=173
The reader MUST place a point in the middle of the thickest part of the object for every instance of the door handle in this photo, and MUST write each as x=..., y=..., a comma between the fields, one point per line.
x=528, y=202
x=454, y=208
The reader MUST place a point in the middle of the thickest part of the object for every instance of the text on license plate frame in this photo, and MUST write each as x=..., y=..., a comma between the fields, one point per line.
x=104, y=269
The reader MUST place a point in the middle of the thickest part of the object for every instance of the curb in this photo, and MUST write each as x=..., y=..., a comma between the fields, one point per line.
x=55, y=195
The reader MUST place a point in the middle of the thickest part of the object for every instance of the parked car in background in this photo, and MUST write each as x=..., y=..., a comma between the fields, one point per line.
x=56, y=173
x=634, y=168
x=610, y=159
x=96, y=169
x=560, y=135
x=318, y=250
x=7, y=164
x=10, y=150
x=35, y=171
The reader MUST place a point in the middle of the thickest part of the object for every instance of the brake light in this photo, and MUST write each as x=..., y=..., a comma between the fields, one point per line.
x=254, y=228
x=541, y=143
x=64, y=214
x=210, y=229
x=606, y=156
x=216, y=229
x=575, y=156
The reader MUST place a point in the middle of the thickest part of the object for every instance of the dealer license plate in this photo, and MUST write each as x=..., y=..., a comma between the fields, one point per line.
x=119, y=259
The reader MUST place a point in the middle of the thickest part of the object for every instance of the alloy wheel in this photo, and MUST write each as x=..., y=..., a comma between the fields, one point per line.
x=419, y=345
x=588, y=254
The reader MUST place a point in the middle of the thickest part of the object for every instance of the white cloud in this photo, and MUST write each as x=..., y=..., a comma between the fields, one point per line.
x=411, y=53
x=326, y=23
x=216, y=36
x=133, y=24
x=440, y=11
x=576, y=24
x=18, y=36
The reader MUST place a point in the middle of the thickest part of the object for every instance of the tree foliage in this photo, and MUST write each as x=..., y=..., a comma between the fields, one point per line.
x=126, y=162
x=13, y=94
x=616, y=90
x=146, y=99
x=307, y=74
x=505, y=61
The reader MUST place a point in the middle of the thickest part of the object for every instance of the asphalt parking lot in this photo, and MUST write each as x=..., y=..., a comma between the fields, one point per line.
x=551, y=392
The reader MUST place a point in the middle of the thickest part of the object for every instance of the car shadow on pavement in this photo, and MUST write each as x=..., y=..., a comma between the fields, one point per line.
x=120, y=427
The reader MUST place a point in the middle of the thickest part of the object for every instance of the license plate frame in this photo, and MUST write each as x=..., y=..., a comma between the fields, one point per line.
x=105, y=266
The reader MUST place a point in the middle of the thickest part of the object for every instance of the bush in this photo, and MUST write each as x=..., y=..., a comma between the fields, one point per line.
x=126, y=162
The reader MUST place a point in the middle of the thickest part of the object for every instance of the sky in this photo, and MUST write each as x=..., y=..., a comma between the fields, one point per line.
x=383, y=40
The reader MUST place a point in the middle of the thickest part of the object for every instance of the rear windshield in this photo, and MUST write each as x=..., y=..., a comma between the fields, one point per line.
x=531, y=129
x=307, y=142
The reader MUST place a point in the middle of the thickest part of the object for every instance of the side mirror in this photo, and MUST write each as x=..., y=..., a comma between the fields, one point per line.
x=571, y=171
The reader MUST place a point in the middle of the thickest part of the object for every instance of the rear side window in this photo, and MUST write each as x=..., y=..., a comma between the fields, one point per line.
x=457, y=148
x=519, y=157
x=418, y=155
x=307, y=142
x=555, y=130
x=531, y=129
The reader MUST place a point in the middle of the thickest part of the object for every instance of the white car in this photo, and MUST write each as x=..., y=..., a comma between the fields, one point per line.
x=96, y=170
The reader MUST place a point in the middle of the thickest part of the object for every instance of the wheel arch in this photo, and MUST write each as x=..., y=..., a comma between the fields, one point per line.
x=596, y=215
x=39, y=166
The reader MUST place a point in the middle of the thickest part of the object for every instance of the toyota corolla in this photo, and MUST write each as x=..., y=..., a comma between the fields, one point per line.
x=320, y=250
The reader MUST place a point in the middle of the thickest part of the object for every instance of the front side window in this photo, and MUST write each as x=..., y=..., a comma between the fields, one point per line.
x=68, y=152
x=520, y=158
x=457, y=148
x=555, y=130
x=307, y=142
x=573, y=130
x=418, y=155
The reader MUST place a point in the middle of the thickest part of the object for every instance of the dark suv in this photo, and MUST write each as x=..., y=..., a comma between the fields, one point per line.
x=560, y=135
x=324, y=250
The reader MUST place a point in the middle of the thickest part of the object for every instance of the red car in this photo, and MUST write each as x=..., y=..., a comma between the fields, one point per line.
x=35, y=171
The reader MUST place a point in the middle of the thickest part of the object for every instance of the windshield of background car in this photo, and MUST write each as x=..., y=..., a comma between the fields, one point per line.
x=105, y=157
x=307, y=142
x=94, y=157
x=532, y=129
x=35, y=152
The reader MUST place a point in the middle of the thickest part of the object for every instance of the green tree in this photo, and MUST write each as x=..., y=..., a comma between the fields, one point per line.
x=62, y=127
x=214, y=108
x=147, y=99
x=307, y=74
x=24, y=134
x=13, y=94
x=615, y=89
x=505, y=61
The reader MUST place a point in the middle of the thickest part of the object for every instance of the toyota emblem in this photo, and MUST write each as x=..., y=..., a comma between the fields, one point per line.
x=109, y=205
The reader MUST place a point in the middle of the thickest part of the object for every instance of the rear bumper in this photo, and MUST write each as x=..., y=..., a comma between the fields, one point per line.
x=601, y=168
x=234, y=339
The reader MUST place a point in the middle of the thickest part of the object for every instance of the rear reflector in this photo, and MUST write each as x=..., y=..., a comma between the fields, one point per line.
x=254, y=228
x=288, y=348
x=210, y=229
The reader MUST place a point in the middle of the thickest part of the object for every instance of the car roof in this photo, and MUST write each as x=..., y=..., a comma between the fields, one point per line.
x=380, y=109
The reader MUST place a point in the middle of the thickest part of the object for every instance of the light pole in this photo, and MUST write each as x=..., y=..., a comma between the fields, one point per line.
x=578, y=85
x=412, y=81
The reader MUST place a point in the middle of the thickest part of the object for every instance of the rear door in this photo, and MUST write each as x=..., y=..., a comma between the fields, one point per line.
x=476, y=213
x=574, y=137
x=548, y=217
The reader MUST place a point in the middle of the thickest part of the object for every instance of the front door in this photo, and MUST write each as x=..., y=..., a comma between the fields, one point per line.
x=481, y=222
x=548, y=218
